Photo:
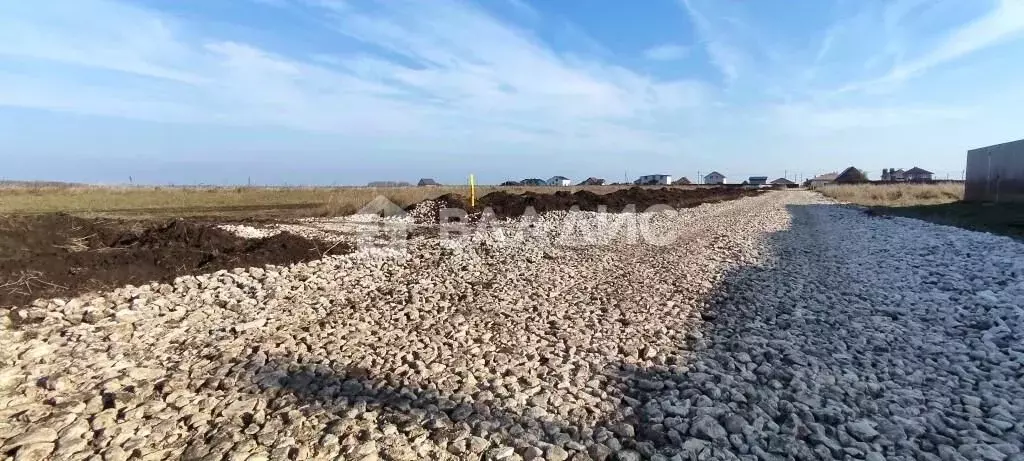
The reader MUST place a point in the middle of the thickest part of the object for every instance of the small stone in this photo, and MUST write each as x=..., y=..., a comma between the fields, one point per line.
x=36, y=352
x=366, y=448
x=693, y=448
x=599, y=452
x=627, y=455
x=735, y=424
x=35, y=436
x=115, y=453
x=145, y=374
x=477, y=444
x=707, y=427
x=862, y=430
x=34, y=452
x=624, y=430
x=500, y=453
x=982, y=452
x=239, y=408
x=531, y=452
x=556, y=453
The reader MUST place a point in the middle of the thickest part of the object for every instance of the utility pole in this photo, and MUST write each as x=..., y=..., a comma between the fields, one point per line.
x=700, y=179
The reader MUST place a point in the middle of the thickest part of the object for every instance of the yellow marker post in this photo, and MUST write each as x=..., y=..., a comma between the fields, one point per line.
x=472, y=191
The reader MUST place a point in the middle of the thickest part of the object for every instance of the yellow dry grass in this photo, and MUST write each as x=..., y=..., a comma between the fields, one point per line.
x=228, y=201
x=895, y=195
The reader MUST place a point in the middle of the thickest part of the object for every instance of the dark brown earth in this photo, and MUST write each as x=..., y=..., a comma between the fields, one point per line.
x=506, y=205
x=59, y=255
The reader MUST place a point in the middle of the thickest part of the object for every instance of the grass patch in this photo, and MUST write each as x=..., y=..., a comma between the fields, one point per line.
x=228, y=202
x=895, y=195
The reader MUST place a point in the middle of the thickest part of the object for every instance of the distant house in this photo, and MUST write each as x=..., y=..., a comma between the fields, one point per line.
x=851, y=175
x=892, y=174
x=560, y=181
x=783, y=183
x=592, y=181
x=388, y=184
x=714, y=177
x=918, y=174
x=511, y=184
x=682, y=181
x=533, y=182
x=427, y=182
x=757, y=180
x=822, y=180
x=653, y=179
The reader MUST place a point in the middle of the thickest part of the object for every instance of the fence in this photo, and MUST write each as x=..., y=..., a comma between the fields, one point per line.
x=996, y=173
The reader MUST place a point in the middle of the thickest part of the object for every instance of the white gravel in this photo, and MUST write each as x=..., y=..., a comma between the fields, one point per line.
x=350, y=229
x=775, y=327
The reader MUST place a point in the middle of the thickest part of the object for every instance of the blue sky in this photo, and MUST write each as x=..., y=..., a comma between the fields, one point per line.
x=345, y=92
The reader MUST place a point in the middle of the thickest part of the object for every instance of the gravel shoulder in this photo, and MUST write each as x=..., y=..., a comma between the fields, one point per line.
x=775, y=327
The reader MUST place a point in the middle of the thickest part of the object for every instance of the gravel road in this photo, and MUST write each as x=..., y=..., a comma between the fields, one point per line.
x=775, y=327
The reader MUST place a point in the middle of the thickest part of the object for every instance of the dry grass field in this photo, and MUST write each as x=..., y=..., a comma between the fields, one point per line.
x=895, y=195
x=286, y=202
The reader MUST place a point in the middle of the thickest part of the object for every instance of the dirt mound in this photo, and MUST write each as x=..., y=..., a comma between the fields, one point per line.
x=505, y=204
x=59, y=255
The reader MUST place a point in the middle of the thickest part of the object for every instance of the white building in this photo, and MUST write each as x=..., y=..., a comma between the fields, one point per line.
x=560, y=181
x=654, y=179
x=714, y=177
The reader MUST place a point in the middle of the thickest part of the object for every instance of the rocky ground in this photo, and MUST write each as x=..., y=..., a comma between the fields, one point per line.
x=774, y=327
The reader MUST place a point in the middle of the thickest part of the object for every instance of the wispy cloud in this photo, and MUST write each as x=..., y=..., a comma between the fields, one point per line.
x=1002, y=23
x=810, y=118
x=717, y=36
x=667, y=52
x=449, y=68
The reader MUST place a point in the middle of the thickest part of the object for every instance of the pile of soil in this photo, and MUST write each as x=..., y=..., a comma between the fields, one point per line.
x=58, y=255
x=506, y=205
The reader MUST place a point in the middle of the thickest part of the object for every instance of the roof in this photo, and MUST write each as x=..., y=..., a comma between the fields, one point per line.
x=659, y=174
x=558, y=178
x=755, y=178
x=714, y=173
x=916, y=170
x=826, y=177
x=427, y=182
x=851, y=174
x=683, y=180
x=782, y=181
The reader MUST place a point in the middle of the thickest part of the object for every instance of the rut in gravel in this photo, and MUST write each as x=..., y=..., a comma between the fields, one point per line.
x=774, y=327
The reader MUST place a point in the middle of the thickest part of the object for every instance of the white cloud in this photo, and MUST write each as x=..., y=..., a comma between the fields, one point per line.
x=461, y=71
x=667, y=52
x=448, y=77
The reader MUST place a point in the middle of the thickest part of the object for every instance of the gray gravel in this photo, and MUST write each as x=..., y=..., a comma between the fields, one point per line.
x=776, y=327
